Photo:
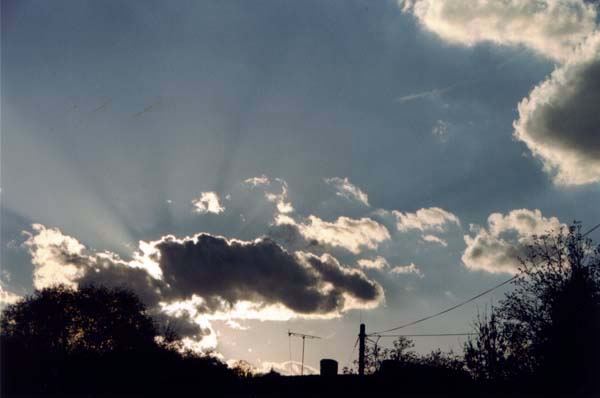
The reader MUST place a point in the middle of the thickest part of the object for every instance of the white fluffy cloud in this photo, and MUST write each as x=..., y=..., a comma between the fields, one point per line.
x=7, y=297
x=348, y=190
x=559, y=121
x=549, y=27
x=378, y=263
x=498, y=247
x=434, y=239
x=426, y=219
x=354, y=235
x=286, y=368
x=410, y=269
x=208, y=202
x=55, y=256
x=280, y=198
x=257, y=181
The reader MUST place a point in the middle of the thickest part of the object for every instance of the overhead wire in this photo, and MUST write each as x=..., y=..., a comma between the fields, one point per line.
x=591, y=230
x=352, y=353
x=423, y=335
x=447, y=309
x=463, y=302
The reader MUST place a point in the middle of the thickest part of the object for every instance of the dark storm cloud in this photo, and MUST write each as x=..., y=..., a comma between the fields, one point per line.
x=219, y=270
x=185, y=281
x=344, y=280
x=259, y=271
x=182, y=324
x=559, y=120
x=289, y=236
x=111, y=273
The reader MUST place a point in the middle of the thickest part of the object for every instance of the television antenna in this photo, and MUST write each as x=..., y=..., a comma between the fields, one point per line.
x=304, y=337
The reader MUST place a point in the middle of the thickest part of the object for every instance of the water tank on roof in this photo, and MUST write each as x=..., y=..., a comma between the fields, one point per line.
x=329, y=367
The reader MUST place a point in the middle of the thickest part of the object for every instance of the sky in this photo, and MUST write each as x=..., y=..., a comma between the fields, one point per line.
x=250, y=168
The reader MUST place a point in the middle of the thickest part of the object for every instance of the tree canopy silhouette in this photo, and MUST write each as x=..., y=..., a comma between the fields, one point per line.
x=96, y=340
x=547, y=331
x=93, y=319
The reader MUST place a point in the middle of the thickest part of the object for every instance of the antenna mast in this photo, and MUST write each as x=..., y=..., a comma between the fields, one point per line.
x=304, y=337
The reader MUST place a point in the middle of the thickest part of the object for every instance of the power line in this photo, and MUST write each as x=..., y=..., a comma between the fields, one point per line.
x=591, y=230
x=466, y=301
x=424, y=335
x=448, y=309
x=352, y=353
x=371, y=341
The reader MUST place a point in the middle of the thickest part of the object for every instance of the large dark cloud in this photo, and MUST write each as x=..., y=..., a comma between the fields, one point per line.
x=259, y=271
x=110, y=273
x=559, y=120
x=185, y=282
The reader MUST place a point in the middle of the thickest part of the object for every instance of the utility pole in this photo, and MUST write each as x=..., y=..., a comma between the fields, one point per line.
x=304, y=337
x=361, y=350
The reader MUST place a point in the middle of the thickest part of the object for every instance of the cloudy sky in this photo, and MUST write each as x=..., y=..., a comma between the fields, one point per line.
x=253, y=167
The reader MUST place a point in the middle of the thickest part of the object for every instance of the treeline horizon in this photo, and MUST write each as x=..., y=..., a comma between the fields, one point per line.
x=542, y=338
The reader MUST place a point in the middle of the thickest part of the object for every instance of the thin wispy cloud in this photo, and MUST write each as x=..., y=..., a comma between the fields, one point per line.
x=435, y=93
x=431, y=94
x=348, y=190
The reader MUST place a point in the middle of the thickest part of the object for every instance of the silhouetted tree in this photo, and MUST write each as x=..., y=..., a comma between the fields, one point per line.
x=547, y=330
x=376, y=353
x=242, y=368
x=96, y=340
x=443, y=360
x=486, y=355
x=402, y=352
x=94, y=319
